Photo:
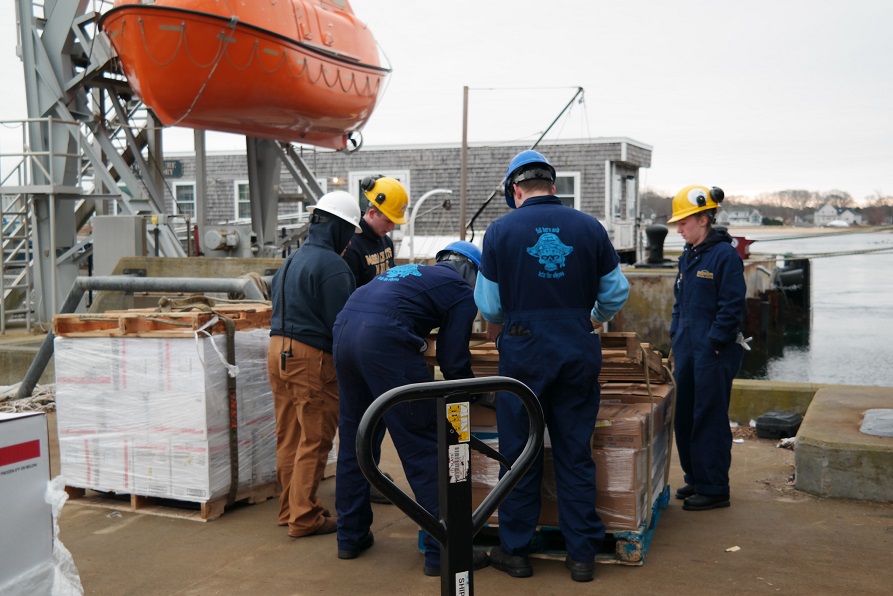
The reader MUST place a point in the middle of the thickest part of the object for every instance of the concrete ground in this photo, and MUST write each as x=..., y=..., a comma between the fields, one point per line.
x=788, y=542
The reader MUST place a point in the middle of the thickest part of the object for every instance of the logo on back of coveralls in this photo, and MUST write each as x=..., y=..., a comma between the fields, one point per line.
x=551, y=252
x=398, y=273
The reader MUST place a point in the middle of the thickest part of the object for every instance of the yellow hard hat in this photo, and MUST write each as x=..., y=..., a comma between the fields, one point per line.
x=388, y=196
x=694, y=199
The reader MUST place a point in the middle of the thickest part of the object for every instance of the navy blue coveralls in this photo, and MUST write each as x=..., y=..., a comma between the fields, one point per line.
x=708, y=313
x=379, y=341
x=548, y=261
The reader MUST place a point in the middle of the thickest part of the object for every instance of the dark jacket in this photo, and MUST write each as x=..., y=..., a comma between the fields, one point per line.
x=418, y=298
x=710, y=291
x=317, y=284
x=369, y=254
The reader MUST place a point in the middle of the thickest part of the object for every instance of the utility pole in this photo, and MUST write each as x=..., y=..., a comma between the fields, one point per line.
x=463, y=190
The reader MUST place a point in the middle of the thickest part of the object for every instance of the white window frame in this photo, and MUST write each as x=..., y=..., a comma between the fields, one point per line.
x=576, y=176
x=178, y=185
x=237, y=203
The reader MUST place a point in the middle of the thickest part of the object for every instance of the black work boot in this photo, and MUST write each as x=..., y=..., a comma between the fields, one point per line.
x=684, y=492
x=580, y=572
x=704, y=502
x=479, y=560
x=352, y=553
x=514, y=565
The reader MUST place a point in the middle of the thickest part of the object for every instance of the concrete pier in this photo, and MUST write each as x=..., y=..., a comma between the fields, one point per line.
x=833, y=457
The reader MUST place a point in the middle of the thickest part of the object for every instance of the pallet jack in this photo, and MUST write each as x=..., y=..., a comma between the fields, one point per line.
x=456, y=529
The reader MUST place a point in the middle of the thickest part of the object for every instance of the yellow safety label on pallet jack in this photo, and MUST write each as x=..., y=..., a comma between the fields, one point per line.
x=457, y=414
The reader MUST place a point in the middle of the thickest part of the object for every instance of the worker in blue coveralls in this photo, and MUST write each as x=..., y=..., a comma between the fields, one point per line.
x=379, y=345
x=549, y=278
x=707, y=347
x=371, y=251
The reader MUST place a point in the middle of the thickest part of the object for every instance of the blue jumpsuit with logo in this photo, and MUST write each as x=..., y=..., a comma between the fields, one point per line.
x=708, y=313
x=379, y=341
x=546, y=269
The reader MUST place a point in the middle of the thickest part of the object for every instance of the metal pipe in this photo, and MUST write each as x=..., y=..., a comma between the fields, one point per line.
x=129, y=284
x=414, y=212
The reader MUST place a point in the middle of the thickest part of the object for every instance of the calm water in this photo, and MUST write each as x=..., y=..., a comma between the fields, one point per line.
x=850, y=337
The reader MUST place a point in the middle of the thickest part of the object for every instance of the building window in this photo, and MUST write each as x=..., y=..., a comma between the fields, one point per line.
x=291, y=195
x=567, y=188
x=184, y=193
x=243, y=200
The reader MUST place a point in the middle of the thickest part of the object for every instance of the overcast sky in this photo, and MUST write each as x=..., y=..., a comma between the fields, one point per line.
x=751, y=96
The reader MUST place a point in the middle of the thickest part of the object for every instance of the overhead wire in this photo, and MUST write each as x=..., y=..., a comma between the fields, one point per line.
x=470, y=225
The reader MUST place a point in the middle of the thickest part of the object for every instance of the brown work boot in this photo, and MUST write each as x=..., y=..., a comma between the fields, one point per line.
x=329, y=525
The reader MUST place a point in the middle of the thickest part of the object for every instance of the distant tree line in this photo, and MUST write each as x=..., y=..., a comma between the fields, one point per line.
x=784, y=206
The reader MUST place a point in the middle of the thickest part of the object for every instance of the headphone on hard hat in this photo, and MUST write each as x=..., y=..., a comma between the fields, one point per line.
x=716, y=194
x=368, y=183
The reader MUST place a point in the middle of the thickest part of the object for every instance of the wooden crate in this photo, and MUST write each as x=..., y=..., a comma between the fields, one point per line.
x=626, y=358
x=150, y=323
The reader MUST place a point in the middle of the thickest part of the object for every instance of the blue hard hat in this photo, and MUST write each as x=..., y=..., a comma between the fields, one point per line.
x=525, y=158
x=464, y=248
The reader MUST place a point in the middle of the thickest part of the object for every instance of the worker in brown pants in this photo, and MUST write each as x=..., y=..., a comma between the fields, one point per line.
x=308, y=291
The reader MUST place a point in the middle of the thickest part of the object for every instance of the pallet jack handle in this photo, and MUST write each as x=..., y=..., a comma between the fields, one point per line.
x=458, y=525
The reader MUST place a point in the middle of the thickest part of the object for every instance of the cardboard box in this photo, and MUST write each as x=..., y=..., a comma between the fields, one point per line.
x=622, y=449
x=659, y=396
x=26, y=519
x=621, y=425
x=102, y=462
x=622, y=511
x=145, y=415
x=482, y=416
x=618, y=470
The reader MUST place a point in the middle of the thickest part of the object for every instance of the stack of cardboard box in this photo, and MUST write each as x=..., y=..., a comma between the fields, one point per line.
x=630, y=445
x=149, y=413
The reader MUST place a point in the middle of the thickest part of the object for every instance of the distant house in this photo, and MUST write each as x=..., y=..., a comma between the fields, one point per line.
x=828, y=214
x=851, y=217
x=739, y=217
x=804, y=220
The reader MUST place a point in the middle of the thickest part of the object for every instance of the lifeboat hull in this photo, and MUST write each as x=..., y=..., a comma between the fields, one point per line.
x=303, y=72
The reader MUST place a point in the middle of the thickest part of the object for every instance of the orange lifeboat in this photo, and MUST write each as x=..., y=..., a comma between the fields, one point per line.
x=288, y=70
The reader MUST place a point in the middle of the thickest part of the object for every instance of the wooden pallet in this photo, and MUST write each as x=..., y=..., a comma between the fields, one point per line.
x=618, y=548
x=149, y=323
x=170, y=507
x=624, y=358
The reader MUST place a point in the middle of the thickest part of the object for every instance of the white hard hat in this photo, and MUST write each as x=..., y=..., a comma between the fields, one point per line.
x=340, y=204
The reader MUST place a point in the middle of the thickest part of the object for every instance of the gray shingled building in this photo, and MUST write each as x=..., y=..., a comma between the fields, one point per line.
x=598, y=176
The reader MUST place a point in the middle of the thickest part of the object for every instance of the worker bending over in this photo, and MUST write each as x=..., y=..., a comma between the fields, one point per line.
x=379, y=345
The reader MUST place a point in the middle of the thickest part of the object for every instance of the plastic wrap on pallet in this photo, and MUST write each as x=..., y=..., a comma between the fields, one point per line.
x=150, y=415
x=622, y=511
x=620, y=469
x=484, y=470
x=621, y=450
